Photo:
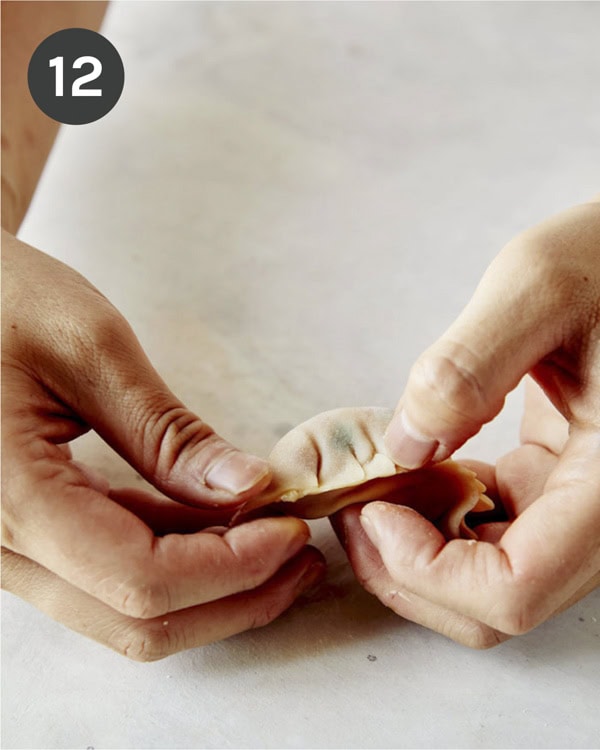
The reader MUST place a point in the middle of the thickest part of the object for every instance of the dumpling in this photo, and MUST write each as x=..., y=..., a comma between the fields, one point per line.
x=337, y=458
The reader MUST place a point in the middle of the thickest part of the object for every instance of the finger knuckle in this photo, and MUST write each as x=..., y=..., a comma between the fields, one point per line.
x=167, y=432
x=143, y=599
x=516, y=615
x=479, y=637
x=264, y=612
x=146, y=642
x=96, y=339
x=517, y=621
x=106, y=328
x=450, y=380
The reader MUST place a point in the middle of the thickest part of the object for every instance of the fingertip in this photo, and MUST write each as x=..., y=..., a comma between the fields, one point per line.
x=289, y=533
x=406, y=445
x=372, y=523
x=400, y=533
x=390, y=515
x=346, y=523
x=240, y=474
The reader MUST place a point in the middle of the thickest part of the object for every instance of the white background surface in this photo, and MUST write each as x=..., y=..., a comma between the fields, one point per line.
x=289, y=202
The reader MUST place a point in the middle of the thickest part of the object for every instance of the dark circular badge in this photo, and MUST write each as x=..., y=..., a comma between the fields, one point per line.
x=76, y=76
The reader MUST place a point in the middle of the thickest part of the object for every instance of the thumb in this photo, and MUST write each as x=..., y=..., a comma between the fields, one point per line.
x=170, y=445
x=74, y=342
x=119, y=394
x=460, y=382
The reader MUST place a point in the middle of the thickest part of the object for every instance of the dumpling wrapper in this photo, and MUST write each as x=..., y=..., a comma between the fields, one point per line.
x=338, y=458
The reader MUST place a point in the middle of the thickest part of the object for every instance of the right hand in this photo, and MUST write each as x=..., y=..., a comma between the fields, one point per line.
x=145, y=575
x=537, y=311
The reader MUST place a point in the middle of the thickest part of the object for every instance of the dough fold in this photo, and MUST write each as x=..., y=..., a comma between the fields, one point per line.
x=338, y=458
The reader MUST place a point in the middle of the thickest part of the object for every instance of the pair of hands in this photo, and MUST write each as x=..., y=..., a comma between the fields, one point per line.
x=150, y=575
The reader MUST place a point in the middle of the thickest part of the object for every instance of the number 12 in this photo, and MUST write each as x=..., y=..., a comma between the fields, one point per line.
x=76, y=90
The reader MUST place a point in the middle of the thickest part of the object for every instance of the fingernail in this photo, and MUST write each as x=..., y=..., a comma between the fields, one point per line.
x=371, y=528
x=407, y=446
x=346, y=522
x=311, y=577
x=297, y=533
x=441, y=453
x=237, y=473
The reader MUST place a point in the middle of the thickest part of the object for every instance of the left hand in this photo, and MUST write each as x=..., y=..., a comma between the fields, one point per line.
x=514, y=483
x=240, y=579
x=138, y=572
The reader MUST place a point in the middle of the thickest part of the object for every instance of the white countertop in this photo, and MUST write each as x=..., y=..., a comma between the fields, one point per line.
x=289, y=202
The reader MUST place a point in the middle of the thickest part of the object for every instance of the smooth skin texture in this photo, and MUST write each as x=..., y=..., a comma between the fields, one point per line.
x=536, y=311
x=145, y=574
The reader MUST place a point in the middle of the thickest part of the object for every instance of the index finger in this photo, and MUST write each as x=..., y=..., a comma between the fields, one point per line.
x=53, y=516
x=549, y=553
